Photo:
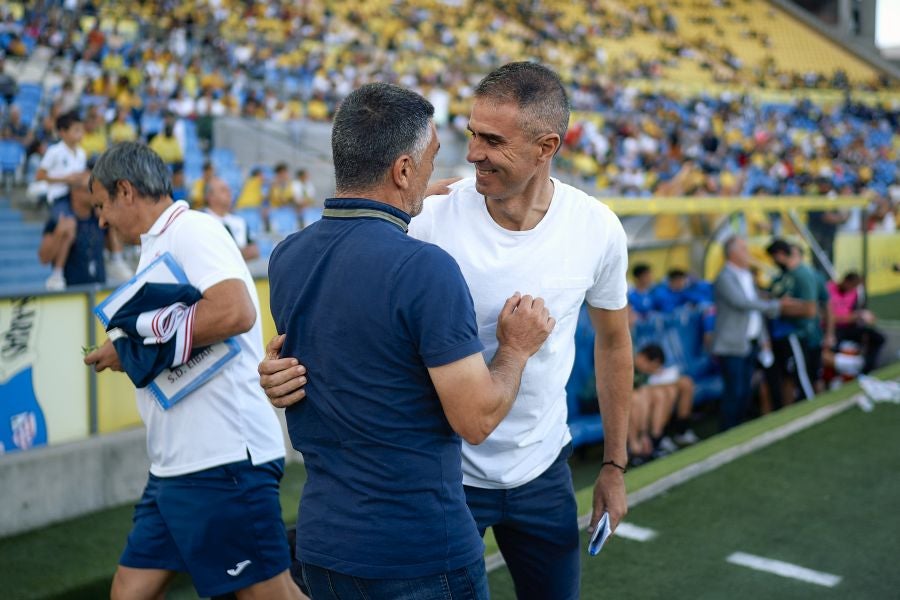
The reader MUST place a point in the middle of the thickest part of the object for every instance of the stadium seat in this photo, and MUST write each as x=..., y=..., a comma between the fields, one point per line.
x=283, y=220
x=12, y=157
x=584, y=421
x=265, y=244
x=253, y=219
x=310, y=215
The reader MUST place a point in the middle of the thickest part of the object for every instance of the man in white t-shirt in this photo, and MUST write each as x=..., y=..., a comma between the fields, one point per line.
x=514, y=228
x=211, y=504
x=64, y=162
x=63, y=166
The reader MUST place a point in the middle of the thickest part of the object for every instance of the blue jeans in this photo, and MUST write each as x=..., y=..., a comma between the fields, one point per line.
x=536, y=527
x=737, y=373
x=467, y=583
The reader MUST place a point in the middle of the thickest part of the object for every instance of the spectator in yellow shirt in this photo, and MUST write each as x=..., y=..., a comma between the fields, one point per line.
x=95, y=140
x=251, y=195
x=198, y=189
x=166, y=145
x=282, y=191
x=122, y=130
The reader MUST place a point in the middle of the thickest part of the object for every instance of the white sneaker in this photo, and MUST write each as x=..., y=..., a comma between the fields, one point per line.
x=117, y=271
x=687, y=438
x=55, y=282
x=667, y=445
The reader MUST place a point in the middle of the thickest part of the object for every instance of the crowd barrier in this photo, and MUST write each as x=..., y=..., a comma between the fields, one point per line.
x=47, y=395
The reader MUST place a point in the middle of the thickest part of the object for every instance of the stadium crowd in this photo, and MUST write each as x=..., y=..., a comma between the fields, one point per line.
x=163, y=71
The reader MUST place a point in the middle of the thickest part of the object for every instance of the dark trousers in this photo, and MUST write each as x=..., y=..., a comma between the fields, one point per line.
x=536, y=527
x=467, y=583
x=737, y=374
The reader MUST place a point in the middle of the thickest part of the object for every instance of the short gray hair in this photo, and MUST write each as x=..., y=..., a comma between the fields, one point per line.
x=136, y=163
x=376, y=124
x=536, y=90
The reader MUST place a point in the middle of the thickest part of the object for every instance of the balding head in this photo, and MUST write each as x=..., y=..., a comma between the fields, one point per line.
x=737, y=252
x=218, y=196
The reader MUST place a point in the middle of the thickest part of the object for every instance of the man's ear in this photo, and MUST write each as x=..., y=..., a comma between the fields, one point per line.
x=124, y=191
x=401, y=171
x=548, y=145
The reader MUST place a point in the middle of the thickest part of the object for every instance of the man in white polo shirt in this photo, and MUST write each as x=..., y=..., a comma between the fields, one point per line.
x=514, y=228
x=211, y=504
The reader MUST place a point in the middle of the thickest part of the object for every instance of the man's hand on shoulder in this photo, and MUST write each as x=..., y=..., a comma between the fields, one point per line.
x=440, y=187
x=282, y=379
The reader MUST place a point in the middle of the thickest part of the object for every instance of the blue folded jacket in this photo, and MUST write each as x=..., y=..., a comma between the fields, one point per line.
x=153, y=331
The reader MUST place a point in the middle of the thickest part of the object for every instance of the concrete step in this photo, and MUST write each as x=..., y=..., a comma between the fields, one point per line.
x=10, y=260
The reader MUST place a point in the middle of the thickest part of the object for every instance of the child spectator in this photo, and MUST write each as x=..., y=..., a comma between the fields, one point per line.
x=63, y=164
x=73, y=242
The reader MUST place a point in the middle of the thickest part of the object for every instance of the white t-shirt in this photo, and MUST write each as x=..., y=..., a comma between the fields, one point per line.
x=665, y=376
x=228, y=416
x=745, y=278
x=59, y=161
x=578, y=251
x=236, y=226
x=303, y=190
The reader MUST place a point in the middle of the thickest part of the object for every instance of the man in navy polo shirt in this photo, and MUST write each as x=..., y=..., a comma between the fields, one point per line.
x=387, y=326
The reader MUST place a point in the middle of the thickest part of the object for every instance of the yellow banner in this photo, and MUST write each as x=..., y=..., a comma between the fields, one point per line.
x=884, y=253
x=726, y=204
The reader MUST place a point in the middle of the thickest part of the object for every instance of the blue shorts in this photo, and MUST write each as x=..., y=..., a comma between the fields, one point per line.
x=62, y=206
x=222, y=525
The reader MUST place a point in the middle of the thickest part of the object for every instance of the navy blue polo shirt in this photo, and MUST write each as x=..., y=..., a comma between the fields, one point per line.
x=368, y=310
x=85, y=261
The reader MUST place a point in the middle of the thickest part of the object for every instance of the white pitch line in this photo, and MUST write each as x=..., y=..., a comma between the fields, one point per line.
x=784, y=569
x=495, y=561
x=633, y=532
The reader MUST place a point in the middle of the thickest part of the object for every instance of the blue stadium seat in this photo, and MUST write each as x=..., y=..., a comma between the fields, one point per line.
x=12, y=156
x=283, y=220
x=265, y=245
x=581, y=394
x=310, y=215
x=254, y=221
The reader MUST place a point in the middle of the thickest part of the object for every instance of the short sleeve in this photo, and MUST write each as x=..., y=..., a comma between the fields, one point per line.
x=610, y=289
x=207, y=252
x=48, y=160
x=806, y=286
x=432, y=302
